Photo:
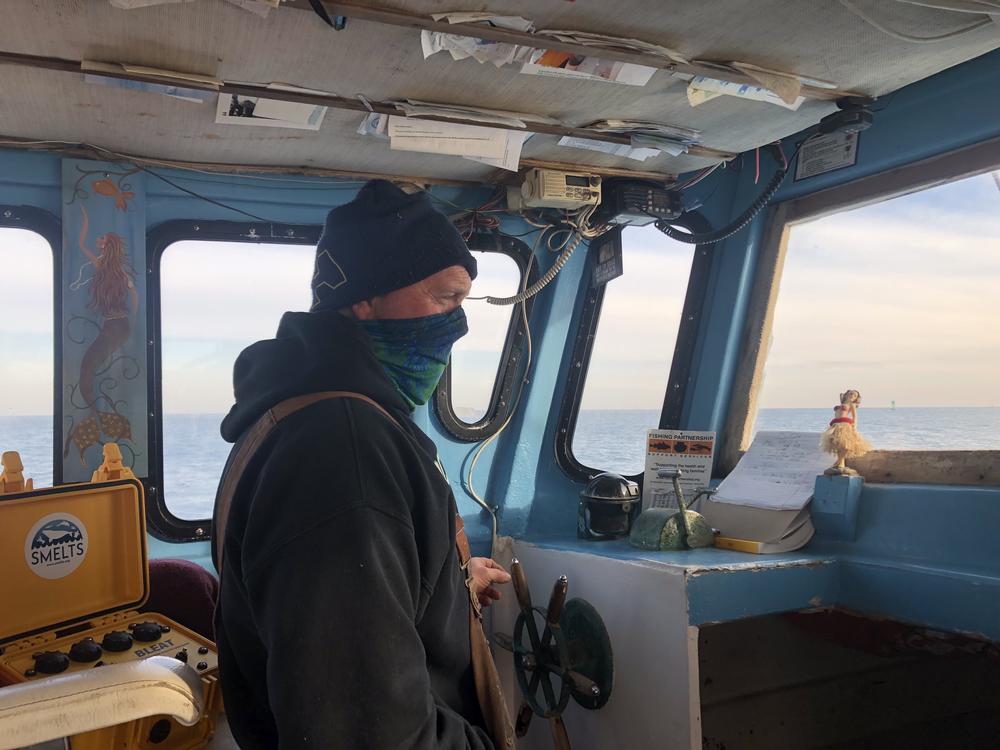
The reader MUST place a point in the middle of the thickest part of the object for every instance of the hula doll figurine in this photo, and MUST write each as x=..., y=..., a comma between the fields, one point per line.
x=841, y=437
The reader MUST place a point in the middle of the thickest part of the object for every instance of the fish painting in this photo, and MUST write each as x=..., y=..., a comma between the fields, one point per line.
x=108, y=188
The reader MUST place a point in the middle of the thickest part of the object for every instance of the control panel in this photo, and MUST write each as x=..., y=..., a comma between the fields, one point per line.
x=61, y=617
x=549, y=188
x=113, y=643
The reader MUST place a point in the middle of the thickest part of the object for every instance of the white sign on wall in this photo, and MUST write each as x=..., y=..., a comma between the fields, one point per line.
x=826, y=153
x=672, y=450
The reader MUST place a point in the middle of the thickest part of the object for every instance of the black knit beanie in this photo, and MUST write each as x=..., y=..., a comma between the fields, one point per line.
x=381, y=241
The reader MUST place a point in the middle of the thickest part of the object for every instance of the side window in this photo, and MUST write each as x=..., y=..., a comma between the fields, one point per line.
x=475, y=394
x=27, y=338
x=897, y=300
x=632, y=352
x=475, y=359
x=216, y=298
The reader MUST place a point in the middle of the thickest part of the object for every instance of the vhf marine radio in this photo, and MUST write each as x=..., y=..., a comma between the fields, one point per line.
x=636, y=203
x=550, y=188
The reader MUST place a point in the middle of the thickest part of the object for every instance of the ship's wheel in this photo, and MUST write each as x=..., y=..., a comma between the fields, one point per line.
x=560, y=652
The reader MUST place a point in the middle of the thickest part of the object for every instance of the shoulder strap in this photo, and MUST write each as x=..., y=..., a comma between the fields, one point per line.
x=255, y=437
x=489, y=690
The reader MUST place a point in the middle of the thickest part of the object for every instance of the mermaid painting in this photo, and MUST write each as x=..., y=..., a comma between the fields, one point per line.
x=114, y=298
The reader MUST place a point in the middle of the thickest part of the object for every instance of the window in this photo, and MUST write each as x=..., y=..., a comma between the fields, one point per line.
x=26, y=341
x=216, y=298
x=475, y=359
x=478, y=388
x=633, y=350
x=898, y=300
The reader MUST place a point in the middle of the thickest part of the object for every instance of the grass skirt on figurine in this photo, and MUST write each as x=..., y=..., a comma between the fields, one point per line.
x=844, y=438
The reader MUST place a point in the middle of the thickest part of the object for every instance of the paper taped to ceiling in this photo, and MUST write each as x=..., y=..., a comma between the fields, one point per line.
x=496, y=147
x=556, y=64
x=646, y=139
x=702, y=89
x=431, y=137
x=613, y=149
x=538, y=60
x=267, y=113
x=481, y=50
x=511, y=159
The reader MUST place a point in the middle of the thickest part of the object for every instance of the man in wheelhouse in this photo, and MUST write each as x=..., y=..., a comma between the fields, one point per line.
x=344, y=614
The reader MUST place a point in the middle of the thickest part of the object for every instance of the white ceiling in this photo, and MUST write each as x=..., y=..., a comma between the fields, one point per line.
x=811, y=37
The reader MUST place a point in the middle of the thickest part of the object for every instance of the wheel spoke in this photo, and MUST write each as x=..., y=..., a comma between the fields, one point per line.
x=521, y=587
x=560, y=737
x=529, y=623
x=551, y=703
x=523, y=720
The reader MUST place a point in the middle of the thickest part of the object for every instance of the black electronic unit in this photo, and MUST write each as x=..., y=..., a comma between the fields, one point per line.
x=636, y=203
x=608, y=264
x=853, y=116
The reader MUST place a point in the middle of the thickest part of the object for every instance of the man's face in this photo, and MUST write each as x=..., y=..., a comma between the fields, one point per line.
x=440, y=293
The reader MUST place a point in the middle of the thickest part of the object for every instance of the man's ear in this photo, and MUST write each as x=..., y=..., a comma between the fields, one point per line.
x=363, y=310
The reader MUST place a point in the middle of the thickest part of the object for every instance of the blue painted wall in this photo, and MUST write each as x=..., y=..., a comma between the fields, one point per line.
x=519, y=472
x=922, y=554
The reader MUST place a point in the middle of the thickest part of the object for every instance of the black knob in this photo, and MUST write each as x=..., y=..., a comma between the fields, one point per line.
x=202, y=650
x=117, y=640
x=182, y=655
x=147, y=631
x=202, y=665
x=85, y=651
x=51, y=662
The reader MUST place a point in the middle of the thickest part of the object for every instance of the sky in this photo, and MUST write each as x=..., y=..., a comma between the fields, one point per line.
x=899, y=300
x=638, y=325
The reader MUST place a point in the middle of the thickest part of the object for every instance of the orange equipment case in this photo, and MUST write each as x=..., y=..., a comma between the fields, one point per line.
x=74, y=572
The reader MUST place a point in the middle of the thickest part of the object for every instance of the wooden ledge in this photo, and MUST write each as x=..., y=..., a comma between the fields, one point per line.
x=967, y=468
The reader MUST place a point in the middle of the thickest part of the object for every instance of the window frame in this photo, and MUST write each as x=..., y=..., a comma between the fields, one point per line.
x=895, y=466
x=513, y=351
x=161, y=522
x=49, y=227
x=679, y=376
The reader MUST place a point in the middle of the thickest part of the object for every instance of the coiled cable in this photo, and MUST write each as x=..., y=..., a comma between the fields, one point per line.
x=577, y=229
x=571, y=244
x=741, y=221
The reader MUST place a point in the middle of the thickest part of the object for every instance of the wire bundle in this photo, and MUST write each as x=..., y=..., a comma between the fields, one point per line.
x=468, y=484
x=576, y=227
x=484, y=217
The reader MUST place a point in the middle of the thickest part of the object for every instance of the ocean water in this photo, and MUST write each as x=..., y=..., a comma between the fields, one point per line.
x=614, y=440
x=929, y=428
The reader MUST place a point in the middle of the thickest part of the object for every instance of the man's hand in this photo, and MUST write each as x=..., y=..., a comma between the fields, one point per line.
x=485, y=572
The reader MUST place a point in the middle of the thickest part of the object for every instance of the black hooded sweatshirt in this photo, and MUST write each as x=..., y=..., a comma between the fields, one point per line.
x=343, y=617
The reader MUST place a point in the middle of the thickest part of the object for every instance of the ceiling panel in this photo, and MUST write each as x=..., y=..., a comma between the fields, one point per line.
x=812, y=37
